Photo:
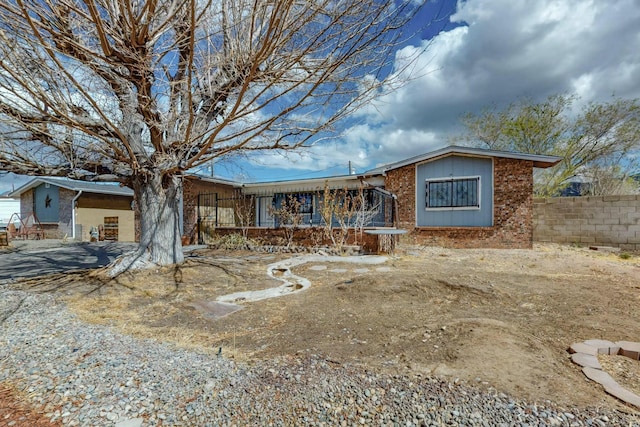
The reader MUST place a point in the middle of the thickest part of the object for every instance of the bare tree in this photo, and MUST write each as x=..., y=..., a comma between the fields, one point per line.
x=289, y=216
x=339, y=206
x=368, y=209
x=138, y=91
x=243, y=208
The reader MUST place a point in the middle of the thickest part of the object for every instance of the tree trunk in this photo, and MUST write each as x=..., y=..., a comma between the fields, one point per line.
x=158, y=200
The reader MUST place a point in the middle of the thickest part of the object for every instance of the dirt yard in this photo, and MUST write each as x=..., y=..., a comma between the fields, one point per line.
x=500, y=318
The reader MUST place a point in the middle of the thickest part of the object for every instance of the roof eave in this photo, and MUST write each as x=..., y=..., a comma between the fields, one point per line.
x=539, y=161
x=545, y=164
x=41, y=180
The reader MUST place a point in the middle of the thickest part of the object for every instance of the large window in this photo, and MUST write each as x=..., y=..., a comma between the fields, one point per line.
x=303, y=201
x=448, y=193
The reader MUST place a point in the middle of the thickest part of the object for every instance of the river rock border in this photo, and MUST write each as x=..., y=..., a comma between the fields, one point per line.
x=345, y=250
x=586, y=353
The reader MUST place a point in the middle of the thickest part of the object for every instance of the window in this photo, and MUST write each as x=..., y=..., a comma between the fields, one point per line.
x=462, y=193
x=304, y=201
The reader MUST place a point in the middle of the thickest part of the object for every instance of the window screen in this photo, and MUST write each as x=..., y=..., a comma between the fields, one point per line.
x=453, y=193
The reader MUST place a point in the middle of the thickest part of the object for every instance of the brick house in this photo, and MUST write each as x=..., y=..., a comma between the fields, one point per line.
x=465, y=197
x=66, y=207
x=455, y=196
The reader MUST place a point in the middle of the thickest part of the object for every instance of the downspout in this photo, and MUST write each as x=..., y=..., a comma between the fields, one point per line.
x=73, y=214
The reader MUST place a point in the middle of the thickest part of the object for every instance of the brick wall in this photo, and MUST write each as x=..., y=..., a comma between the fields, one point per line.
x=306, y=236
x=26, y=203
x=603, y=220
x=402, y=183
x=512, y=210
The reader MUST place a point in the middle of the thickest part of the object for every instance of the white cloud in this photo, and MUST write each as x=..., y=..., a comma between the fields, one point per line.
x=505, y=50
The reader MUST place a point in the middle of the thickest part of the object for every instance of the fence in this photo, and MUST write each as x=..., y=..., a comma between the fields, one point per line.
x=260, y=211
x=593, y=220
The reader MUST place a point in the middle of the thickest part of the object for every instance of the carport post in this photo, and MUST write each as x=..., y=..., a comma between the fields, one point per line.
x=73, y=214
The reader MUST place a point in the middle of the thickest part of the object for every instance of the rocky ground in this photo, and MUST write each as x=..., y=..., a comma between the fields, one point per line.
x=59, y=364
x=79, y=374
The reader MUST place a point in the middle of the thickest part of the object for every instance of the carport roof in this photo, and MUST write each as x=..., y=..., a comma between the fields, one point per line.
x=112, y=188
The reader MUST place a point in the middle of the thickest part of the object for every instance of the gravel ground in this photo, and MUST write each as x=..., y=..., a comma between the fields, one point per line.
x=88, y=375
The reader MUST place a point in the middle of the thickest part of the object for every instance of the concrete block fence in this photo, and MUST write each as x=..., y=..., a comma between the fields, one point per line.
x=593, y=220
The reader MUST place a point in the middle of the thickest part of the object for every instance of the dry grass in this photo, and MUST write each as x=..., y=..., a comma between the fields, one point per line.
x=506, y=317
x=623, y=370
x=159, y=305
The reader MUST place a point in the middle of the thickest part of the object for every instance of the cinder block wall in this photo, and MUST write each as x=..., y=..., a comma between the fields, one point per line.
x=603, y=220
x=512, y=210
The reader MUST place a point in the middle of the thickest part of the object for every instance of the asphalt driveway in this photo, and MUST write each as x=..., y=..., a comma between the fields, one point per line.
x=36, y=258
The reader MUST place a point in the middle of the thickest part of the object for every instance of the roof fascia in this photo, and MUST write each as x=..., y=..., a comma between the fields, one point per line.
x=539, y=161
x=43, y=180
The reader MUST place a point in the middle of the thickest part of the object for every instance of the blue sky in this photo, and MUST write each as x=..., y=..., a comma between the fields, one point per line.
x=478, y=53
x=486, y=53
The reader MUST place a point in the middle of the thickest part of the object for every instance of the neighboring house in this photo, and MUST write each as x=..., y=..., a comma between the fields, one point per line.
x=70, y=208
x=8, y=207
x=455, y=196
x=576, y=186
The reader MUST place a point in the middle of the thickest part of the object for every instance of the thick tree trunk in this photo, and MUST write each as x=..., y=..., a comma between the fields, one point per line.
x=158, y=201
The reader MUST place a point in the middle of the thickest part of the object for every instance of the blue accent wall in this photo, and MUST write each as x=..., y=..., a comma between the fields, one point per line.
x=46, y=203
x=452, y=167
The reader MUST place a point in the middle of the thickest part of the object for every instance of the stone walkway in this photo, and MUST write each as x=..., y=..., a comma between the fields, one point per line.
x=281, y=270
x=586, y=353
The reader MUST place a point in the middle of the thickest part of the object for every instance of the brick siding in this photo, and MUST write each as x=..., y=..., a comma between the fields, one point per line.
x=512, y=210
x=402, y=182
x=306, y=236
x=26, y=203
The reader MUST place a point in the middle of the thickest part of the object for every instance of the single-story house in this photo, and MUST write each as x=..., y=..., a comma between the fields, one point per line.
x=69, y=208
x=454, y=196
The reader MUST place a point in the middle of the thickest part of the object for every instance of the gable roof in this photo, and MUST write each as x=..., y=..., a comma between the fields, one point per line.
x=539, y=160
x=111, y=188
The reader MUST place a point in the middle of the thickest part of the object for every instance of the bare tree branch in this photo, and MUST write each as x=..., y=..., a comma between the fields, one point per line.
x=143, y=90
